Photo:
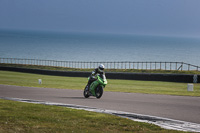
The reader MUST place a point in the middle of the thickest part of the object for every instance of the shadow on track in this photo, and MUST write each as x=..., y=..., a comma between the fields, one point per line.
x=75, y=98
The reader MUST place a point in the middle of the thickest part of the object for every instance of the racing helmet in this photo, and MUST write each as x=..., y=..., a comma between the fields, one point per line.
x=101, y=67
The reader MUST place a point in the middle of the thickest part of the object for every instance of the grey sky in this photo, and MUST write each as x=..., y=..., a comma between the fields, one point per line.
x=158, y=17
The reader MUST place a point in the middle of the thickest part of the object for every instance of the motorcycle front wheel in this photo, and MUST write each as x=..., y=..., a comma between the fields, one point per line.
x=85, y=92
x=99, y=92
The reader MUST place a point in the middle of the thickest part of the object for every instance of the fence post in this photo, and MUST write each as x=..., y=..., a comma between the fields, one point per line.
x=160, y=65
x=170, y=66
x=137, y=65
x=142, y=65
x=188, y=67
x=150, y=65
x=74, y=64
x=146, y=65
x=165, y=66
x=182, y=67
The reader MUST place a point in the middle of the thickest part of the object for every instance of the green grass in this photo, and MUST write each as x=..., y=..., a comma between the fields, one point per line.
x=16, y=117
x=132, y=86
x=106, y=70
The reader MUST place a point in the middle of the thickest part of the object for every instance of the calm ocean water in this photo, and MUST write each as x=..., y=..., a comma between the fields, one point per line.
x=98, y=47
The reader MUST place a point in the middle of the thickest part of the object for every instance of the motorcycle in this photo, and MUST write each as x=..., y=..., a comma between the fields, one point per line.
x=96, y=87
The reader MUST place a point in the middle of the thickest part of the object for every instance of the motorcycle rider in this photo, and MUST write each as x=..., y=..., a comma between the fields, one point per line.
x=99, y=70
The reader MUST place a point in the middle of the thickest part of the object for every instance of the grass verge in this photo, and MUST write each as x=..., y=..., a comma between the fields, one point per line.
x=132, y=86
x=25, y=117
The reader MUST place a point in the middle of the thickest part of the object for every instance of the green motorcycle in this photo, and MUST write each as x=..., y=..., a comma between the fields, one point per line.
x=96, y=87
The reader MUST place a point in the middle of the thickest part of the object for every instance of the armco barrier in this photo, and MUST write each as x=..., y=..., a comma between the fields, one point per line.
x=185, y=78
x=47, y=72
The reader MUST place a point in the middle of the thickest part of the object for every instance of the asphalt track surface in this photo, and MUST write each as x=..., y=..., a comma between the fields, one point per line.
x=182, y=108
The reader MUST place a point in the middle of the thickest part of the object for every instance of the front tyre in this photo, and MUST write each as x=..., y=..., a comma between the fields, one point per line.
x=86, y=92
x=99, y=92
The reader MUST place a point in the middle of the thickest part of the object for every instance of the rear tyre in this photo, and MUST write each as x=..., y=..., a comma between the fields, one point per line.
x=86, y=92
x=99, y=92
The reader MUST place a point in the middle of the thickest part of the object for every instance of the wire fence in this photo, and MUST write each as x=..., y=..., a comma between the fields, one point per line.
x=109, y=65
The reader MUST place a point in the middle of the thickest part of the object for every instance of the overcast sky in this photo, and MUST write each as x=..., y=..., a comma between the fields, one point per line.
x=156, y=17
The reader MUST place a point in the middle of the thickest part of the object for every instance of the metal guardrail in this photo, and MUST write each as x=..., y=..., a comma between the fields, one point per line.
x=109, y=65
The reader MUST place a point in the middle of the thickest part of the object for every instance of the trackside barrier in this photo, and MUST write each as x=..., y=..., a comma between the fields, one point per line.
x=109, y=65
x=185, y=78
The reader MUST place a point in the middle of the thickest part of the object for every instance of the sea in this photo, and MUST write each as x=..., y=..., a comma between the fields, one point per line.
x=76, y=46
